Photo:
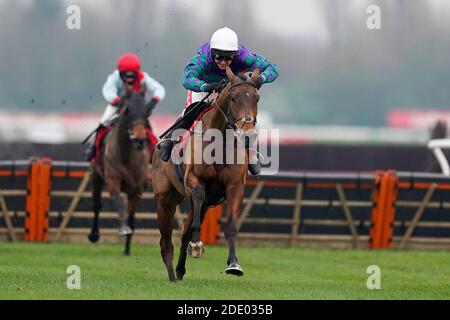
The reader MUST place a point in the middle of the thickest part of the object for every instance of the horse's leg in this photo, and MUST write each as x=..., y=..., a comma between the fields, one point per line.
x=235, y=195
x=198, y=195
x=119, y=204
x=165, y=209
x=186, y=238
x=132, y=203
x=97, y=186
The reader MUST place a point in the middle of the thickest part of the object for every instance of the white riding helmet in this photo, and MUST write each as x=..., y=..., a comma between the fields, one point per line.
x=224, y=39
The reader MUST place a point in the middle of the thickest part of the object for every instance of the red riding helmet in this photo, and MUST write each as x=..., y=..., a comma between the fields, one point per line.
x=129, y=62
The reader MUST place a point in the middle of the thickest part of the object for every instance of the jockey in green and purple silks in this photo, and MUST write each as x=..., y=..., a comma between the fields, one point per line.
x=208, y=65
x=206, y=70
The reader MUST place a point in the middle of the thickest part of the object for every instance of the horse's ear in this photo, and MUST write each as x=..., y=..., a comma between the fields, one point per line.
x=230, y=74
x=255, y=75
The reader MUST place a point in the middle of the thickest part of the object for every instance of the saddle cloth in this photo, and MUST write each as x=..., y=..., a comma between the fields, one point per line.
x=103, y=136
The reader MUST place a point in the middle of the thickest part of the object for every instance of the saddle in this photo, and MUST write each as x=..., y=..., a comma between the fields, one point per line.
x=190, y=120
x=175, y=171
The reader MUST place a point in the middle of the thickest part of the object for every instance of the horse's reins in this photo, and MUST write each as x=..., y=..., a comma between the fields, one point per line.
x=232, y=124
x=181, y=118
x=227, y=116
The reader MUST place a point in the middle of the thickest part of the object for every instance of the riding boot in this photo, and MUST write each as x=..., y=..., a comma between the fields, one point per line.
x=254, y=165
x=165, y=147
x=89, y=153
x=191, y=113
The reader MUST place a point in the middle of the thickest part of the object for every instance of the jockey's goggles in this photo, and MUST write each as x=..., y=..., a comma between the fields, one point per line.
x=219, y=55
x=128, y=75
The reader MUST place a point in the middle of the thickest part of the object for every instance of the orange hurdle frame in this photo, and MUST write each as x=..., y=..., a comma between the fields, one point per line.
x=38, y=201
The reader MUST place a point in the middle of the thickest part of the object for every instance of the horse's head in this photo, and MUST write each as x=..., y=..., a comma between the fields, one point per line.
x=239, y=103
x=134, y=116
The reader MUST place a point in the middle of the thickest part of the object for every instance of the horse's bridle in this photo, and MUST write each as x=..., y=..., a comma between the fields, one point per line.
x=231, y=123
x=138, y=143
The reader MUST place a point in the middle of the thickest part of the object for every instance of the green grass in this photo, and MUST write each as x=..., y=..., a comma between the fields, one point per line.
x=38, y=271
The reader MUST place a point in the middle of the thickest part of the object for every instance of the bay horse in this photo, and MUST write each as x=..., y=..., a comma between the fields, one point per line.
x=123, y=164
x=206, y=185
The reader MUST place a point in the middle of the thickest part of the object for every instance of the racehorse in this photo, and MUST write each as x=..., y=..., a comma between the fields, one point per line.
x=123, y=164
x=206, y=185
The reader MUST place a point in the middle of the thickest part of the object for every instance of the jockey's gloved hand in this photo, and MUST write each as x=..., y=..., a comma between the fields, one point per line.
x=116, y=101
x=259, y=82
x=210, y=87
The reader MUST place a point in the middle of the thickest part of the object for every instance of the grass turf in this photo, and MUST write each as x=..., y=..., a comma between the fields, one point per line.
x=38, y=271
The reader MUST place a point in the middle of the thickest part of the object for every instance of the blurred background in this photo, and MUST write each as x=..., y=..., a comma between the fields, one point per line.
x=340, y=83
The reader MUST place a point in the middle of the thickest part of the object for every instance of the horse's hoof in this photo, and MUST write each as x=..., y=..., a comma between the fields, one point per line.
x=93, y=237
x=123, y=231
x=180, y=273
x=234, y=269
x=172, y=278
x=195, y=249
x=127, y=253
x=180, y=276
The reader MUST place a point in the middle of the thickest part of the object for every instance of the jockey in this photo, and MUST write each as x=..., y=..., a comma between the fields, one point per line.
x=129, y=72
x=206, y=70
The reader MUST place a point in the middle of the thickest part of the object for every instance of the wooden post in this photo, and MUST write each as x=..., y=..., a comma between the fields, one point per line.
x=423, y=205
x=249, y=204
x=72, y=206
x=297, y=212
x=348, y=215
x=9, y=225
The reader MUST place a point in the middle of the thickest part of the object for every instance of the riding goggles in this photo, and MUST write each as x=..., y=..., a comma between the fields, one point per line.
x=219, y=55
x=221, y=58
x=128, y=75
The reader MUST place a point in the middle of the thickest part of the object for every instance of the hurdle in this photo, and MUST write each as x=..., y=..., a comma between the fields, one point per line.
x=44, y=200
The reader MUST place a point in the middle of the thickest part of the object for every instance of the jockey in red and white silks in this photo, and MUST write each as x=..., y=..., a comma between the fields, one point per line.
x=128, y=72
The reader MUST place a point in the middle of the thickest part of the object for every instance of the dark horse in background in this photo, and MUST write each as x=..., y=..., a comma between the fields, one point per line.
x=123, y=164
x=207, y=185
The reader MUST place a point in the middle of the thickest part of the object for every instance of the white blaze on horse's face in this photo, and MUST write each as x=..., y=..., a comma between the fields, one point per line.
x=244, y=117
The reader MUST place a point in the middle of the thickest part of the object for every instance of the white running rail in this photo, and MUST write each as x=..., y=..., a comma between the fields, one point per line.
x=436, y=145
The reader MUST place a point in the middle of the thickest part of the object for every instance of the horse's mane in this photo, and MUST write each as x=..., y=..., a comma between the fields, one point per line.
x=244, y=76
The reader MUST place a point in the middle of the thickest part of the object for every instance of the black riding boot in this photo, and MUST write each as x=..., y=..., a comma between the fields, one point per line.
x=191, y=113
x=255, y=169
x=165, y=147
x=89, y=153
x=255, y=166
